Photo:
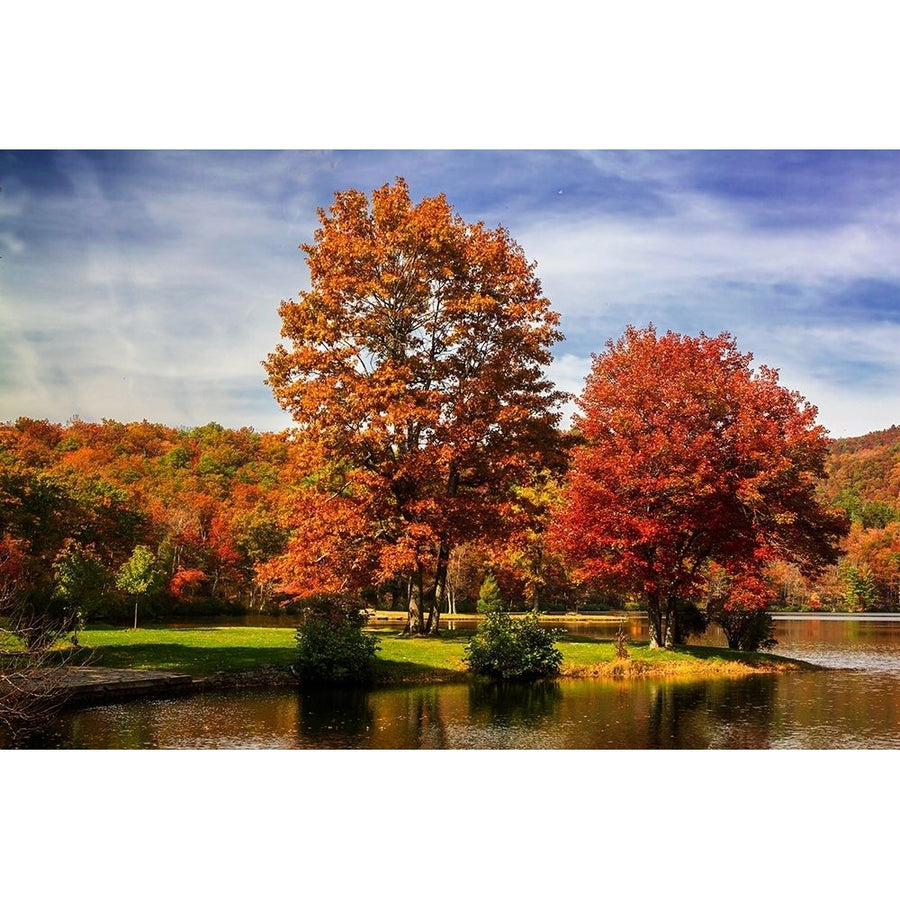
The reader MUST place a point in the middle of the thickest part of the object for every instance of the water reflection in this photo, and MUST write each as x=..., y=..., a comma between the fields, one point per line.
x=723, y=714
x=532, y=704
x=336, y=718
x=854, y=703
x=415, y=719
x=385, y=719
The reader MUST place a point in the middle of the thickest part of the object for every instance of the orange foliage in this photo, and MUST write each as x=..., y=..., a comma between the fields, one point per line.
x=185, y=581
x=877, y=551
x=188, y=494
x=415, y=365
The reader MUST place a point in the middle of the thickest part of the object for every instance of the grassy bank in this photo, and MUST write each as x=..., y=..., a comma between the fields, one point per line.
x=206, y=651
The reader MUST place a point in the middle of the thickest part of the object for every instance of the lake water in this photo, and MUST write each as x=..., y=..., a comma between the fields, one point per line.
x=853, y=703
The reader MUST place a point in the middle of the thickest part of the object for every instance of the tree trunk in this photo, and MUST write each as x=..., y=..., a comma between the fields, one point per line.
x=666, y=615
x=440, y=589
x=654, y=616
x=671, y=625
x=433, y=623
x=536, y=579
x=440, y=575
x=415, y=620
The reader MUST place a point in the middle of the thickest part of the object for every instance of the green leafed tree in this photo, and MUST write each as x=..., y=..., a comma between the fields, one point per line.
x=140, y=575
x=489, y=595
x=81, y=580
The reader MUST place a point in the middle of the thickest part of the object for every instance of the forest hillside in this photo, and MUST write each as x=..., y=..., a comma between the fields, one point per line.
x=184, y=518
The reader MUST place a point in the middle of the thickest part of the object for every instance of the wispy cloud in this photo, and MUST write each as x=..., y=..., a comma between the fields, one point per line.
x=138, y=285
x=812, y=295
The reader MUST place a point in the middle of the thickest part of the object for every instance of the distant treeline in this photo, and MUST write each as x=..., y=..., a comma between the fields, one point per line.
x=864, y=481
x=103, y=514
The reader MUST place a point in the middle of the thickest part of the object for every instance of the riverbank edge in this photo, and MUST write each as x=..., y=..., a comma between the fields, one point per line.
x=131, y=672
x=119, y=688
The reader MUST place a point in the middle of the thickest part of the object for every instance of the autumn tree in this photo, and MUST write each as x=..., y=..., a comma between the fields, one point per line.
x=414, y=371
x=871, y=566
x=45, y=575
x=68, y=540
x=204, y=501
x=465, y=574
x=690, y=457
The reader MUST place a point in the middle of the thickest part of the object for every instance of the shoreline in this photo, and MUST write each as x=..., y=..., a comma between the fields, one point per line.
x=99, y=685
x=114, y=664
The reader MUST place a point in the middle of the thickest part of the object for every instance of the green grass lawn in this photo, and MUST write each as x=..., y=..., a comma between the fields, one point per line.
x=196, y=651
x=205, y=651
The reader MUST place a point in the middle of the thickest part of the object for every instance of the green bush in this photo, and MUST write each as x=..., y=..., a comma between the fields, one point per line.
x=749, y=630
x=690, y=621
x=513, y=649
x=335, y=648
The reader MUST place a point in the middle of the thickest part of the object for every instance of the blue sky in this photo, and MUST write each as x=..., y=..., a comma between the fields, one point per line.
x=145, y=284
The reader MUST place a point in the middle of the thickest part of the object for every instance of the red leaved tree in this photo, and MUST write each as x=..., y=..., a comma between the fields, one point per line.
x=690, y=457
x=415, y=373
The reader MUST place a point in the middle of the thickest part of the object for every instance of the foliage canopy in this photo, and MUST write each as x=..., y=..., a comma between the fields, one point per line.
x=691, y=457
x=414, y=370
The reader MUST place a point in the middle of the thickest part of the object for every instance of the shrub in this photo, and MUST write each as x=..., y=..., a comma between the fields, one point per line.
x=513, y=649
x=690, y=621
x=740, y=607
x=747, y=629
x=332, y=646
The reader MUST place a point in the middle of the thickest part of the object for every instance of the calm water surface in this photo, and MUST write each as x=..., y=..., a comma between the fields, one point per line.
x=853, y=703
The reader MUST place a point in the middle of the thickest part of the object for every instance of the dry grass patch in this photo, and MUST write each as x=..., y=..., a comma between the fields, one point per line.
x=682, y=664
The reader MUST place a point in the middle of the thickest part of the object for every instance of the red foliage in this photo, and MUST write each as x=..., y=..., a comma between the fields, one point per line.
x=690, y=456
x=13, y=557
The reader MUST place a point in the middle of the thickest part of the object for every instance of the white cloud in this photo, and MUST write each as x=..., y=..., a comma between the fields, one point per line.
x=704, y=267
x=154, y=292
x=568, y=372
x=628, y=261
x=162, y=301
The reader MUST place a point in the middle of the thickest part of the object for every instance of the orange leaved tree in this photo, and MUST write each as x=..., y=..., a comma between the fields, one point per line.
x=690, y=457
x=414, y=371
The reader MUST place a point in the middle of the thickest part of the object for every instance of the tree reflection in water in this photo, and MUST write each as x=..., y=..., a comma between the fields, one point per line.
x=335, y=717
x=721, y=713
x=422, y=716
x=514, y=704
x=854, y=703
